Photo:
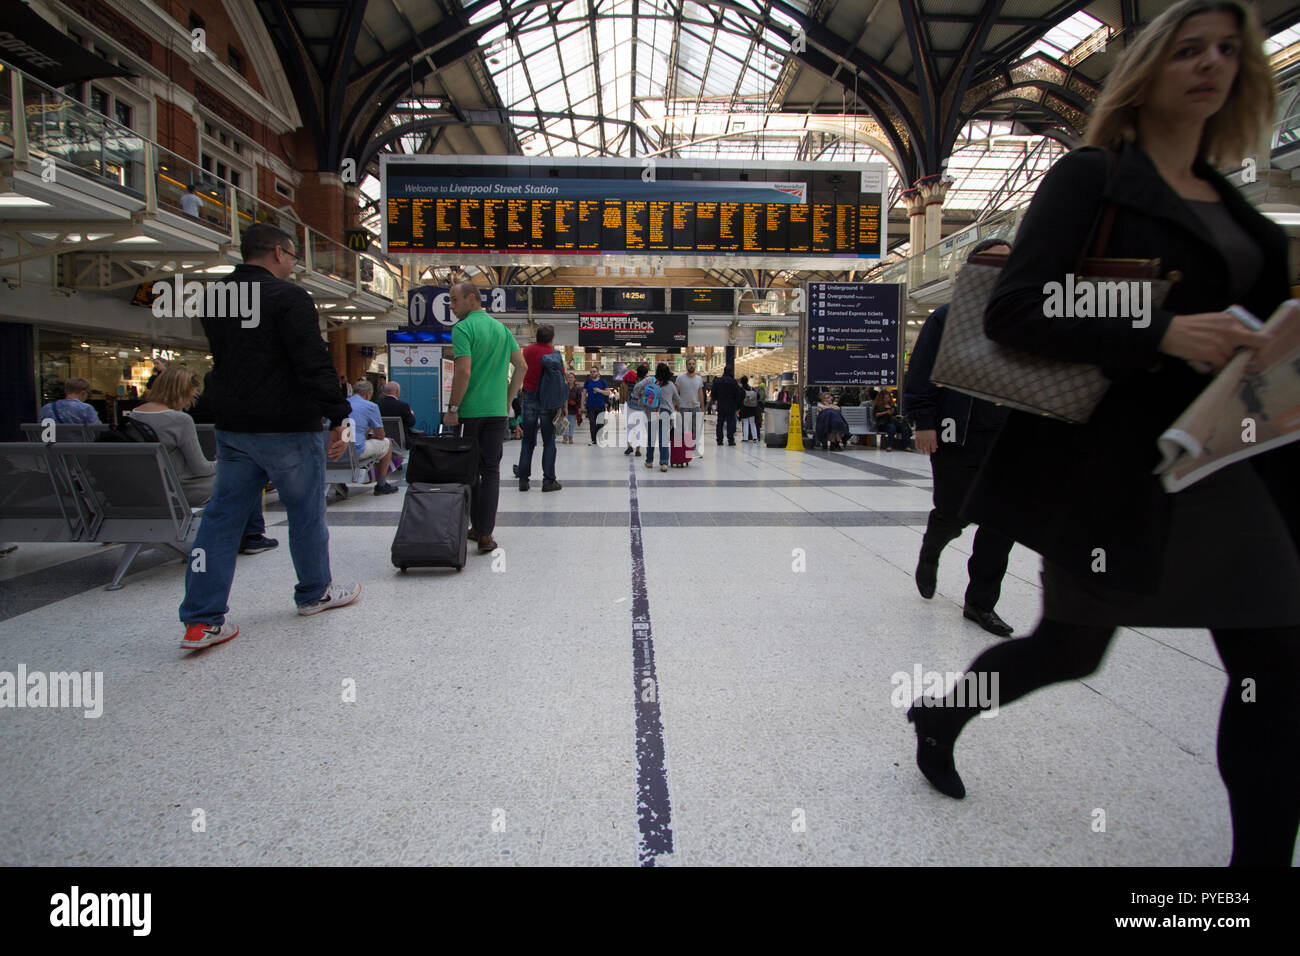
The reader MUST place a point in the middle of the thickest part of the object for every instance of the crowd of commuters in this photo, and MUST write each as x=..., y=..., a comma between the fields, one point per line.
x=1192, y=88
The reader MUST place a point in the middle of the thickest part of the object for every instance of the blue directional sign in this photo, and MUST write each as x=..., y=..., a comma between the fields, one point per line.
x=855, y=333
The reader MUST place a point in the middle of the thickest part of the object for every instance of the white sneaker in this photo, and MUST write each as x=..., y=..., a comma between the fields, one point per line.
x=205, y=635
x=336, y=595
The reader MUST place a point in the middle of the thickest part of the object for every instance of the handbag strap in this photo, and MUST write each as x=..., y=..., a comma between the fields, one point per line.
x=1099, y=234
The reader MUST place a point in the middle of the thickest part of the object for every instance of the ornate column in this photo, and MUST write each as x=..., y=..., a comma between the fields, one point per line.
x=933, y=190
x=915, y=203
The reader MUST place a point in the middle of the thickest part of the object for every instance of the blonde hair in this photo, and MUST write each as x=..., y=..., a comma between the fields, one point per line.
x=1230, y=134
x=174, y=388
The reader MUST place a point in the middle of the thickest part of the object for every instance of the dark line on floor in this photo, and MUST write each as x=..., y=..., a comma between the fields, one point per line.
x=656, y=519
x=653, y=807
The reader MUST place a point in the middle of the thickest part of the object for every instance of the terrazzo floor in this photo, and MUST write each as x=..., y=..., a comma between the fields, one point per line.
x=496, y=711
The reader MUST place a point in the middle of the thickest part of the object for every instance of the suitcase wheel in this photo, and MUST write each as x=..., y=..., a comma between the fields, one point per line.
x=403, y=567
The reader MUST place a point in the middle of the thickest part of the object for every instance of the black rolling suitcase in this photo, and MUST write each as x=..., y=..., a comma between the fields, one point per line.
x=431, y=531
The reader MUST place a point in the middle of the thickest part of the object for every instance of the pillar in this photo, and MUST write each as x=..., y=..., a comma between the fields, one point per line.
x=915, y=203
x=933, y=190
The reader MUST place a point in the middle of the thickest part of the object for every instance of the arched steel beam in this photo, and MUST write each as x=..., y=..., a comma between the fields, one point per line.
x=447, y=42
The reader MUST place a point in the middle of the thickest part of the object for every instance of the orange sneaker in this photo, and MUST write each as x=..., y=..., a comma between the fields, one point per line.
x=201, y=635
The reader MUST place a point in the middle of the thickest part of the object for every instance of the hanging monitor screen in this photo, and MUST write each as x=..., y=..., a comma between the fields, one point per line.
x=704, y=300
x=659, y=332
x=548, y=298
x=622, y=299
x=495, y=206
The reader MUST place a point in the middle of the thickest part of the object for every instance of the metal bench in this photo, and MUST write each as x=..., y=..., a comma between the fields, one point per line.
x=345, y=470
x=395, y=429
x=37, y=500
x=859, y=419
x=35, y=431
x=208, y=440
x=129, y=494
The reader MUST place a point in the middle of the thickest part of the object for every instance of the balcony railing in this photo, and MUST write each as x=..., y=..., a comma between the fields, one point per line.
x=52, y=125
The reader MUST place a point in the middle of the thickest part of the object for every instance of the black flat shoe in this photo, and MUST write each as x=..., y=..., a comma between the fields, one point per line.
x=934, y=744
x=629, y=450
x=927, y=577
x=987, y=620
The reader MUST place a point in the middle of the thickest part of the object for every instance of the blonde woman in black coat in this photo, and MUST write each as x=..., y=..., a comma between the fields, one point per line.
x=1194, y=88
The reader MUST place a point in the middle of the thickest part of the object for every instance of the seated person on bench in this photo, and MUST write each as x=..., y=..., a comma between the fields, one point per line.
x=831, y=426
x=372, y=445
x=390, y=403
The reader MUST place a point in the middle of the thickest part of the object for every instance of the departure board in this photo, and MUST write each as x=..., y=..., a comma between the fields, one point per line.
x=704, y=300
x=563, y=299
x=497, y=206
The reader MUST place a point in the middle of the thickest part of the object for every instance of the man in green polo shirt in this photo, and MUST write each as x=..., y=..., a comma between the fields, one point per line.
x=482, y=390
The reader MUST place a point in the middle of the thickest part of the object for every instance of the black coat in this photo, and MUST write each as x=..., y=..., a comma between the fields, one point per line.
x=1064, y=490
x=276, y=376
x=726, y=391
x=396, y=408
x=928, y=404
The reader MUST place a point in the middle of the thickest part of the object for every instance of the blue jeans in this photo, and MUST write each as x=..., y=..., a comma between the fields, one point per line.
x=295, y=461
x=660, y=428
x=535, y=415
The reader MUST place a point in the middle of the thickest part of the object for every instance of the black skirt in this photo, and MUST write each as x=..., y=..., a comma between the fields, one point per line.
x=1229, y=561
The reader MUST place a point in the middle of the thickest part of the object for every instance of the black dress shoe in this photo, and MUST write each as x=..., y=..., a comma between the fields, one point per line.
x=515, y=469
x=523, y=484
x=934, y=743
x=988, y=620
x=927, y=576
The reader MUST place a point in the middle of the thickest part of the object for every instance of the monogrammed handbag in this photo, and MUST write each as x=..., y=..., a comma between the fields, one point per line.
x=971, y=362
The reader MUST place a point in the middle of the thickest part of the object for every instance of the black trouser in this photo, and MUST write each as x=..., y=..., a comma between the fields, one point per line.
x=490, y=433
x=727, y=417
x=1259, y=736
x=593, y=421
x=954, y=468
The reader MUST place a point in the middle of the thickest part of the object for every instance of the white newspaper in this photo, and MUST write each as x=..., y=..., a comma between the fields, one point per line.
x=1252, y=405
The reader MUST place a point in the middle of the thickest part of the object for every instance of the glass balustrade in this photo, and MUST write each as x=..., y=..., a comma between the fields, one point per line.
x=82, y=139
x=6, y=110
x=172, y=178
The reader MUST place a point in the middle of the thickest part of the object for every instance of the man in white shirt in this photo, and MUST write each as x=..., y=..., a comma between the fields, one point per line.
x=690, y=390
x=190, y=202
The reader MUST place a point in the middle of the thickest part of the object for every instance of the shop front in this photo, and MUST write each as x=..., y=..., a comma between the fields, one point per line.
x=118, y=368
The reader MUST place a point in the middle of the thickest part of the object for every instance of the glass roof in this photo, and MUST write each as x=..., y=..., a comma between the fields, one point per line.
x=599, y=62
x=1060, y=41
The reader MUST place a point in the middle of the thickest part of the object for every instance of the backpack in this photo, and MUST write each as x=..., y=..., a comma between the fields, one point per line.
x=129, y=430
x=751, y=398
x=552, y=387
x=650, y=395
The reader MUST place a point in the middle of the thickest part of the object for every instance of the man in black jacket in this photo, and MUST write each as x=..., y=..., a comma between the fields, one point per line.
x=727, y=393
x=391, y=405
x=272, y=385
x=957, y=431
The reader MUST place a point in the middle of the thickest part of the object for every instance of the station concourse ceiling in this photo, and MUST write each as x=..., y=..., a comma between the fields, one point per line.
x=897, y=81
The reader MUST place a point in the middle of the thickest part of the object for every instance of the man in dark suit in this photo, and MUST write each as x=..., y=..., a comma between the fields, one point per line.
x=391, y=405
x=957, y=431
x=727, y=393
